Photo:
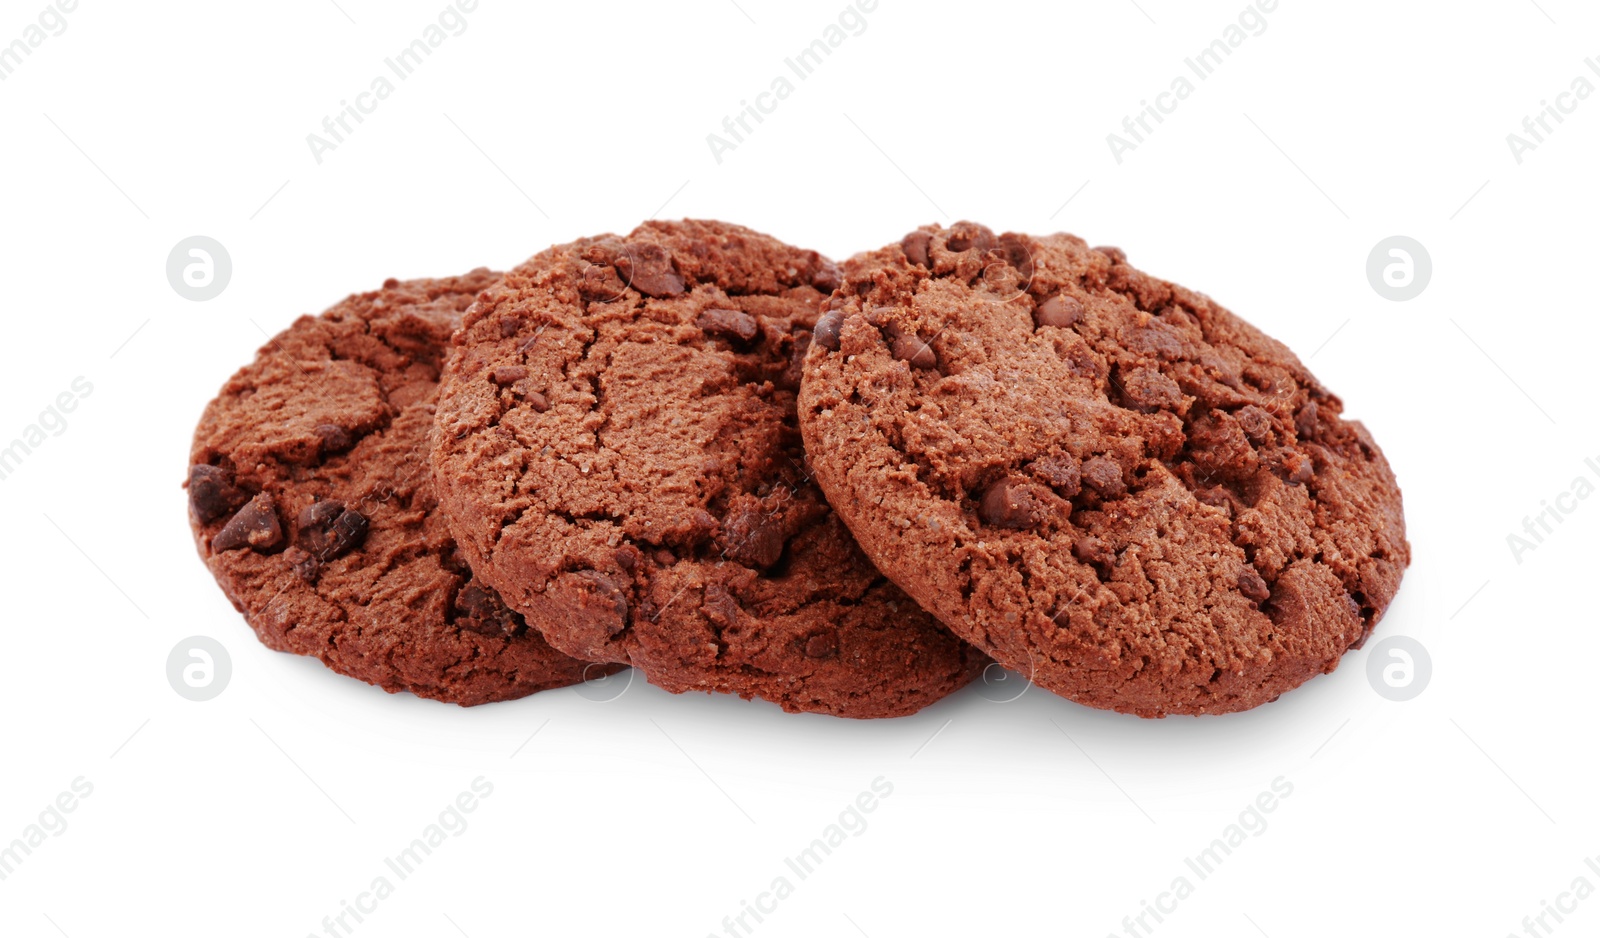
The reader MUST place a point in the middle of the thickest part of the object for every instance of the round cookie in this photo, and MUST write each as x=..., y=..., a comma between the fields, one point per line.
x=617, y=452
x=312, y=504
x=1108, y=482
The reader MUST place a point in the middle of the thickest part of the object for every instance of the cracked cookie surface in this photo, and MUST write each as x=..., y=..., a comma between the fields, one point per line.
x=312, y=504
x=617, y=452
x=1106, y=481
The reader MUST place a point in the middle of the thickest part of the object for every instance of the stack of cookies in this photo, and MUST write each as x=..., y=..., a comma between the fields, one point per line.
x=741, y=468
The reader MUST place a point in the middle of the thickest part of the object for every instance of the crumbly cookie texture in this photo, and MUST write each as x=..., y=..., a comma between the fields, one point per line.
x=312, y=504
x=1106, y=481
x=618, y=455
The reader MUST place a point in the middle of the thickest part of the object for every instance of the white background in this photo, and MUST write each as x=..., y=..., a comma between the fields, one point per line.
x=259, y=812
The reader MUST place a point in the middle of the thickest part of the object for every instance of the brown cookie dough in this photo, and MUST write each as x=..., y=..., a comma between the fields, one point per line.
x=1108, y=482
x=618, y=455
x=312, y=504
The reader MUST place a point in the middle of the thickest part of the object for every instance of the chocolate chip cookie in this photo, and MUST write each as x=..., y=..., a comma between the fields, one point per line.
x=1108, y=482
x=618, y=455
x=312, y=504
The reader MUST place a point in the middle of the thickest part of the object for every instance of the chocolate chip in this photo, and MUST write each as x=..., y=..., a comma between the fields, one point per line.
x=965, y=235
x=828, y=328
x=1093, y=550
x=600, y=283
x=1289, y=608
x=333, y=438
x=319, y=514
x=1218, y=497
x=1081, y=360
x=480, y=609
x=1104, y=476
x=1116, y=254
x=754, y=536
x=305, y=566
x=628, y=557
x=1256, y=423
x=648, y=269
x=1060, y=311
x=1163, y=435
x=509, y=374
x=212, y=494
x=350, y=531
x=254, y=526
x=1158, y=339
x=911, y=348
x=1013, y=503
x=823, y=644
x=537, y=401
x=728, y=324
x=702, y=524
x=1003, y=276
x=603, y=595
x=827, y=278
x=1253, y=587
x=476, y=602
x=328, y=530
x=1017, y=251
x=509, y=327
x=915, y=247
x=1061, y=473
x=664, y=557
x=1149, y=390
x=1305, y=421
x=719, y=605
x=1298, y=468
x=789, y=380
